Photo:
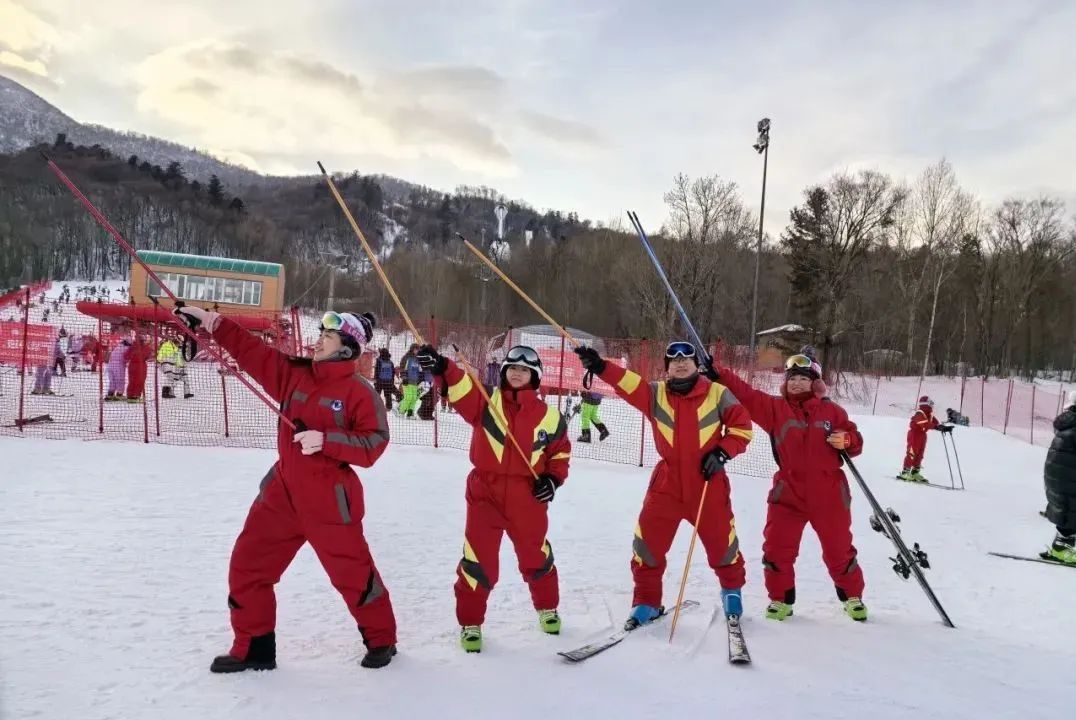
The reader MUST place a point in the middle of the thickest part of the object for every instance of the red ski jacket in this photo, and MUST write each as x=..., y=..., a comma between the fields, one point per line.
x=798, y=430
x=539, y=429
x=922, y=421
x=327, y=396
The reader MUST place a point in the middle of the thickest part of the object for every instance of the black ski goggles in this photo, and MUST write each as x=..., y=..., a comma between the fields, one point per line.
x=523, y=355
x=680, y=349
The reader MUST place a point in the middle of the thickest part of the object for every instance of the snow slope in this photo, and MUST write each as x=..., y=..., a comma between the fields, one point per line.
x=114, y=583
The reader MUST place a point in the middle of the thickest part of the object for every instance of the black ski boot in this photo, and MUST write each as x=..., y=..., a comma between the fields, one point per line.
x=584, y=437
x=603, y=432
x=378, y=657
x=166, y=394
x=261, y=655
x=188, y=396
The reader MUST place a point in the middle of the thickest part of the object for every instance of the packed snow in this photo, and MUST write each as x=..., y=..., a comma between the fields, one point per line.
x=115, y=566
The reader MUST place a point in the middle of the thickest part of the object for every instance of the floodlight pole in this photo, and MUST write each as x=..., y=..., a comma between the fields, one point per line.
x=762, y=145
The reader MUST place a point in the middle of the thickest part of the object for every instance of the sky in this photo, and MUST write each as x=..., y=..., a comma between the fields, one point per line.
x=591, y=107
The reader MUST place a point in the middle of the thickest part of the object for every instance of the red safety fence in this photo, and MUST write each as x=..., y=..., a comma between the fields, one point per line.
x=56, y=378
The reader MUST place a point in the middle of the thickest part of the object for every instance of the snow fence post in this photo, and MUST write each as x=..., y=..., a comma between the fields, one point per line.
x=101, y=378
x=25, y=347
x=560, y=395
x=1033, y=388
x=644, y=371
x=156, y=372
x=224, y=394
x=963, y=382
x=433, y=387
x=877, y=387
x=982, y=404
x=1008, y=407
x=145, y=410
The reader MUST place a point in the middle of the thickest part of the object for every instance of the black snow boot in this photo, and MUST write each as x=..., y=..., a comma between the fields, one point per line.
x=261, y=655
x=378, y=657
x=603, y=432
x=166, y=393
x=188, y=396
x=584, y=437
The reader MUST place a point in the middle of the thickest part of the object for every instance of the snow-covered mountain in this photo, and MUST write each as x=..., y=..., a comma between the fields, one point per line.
x=27, y=119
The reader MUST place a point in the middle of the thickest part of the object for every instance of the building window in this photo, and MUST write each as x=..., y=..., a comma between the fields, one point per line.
x=208, y=289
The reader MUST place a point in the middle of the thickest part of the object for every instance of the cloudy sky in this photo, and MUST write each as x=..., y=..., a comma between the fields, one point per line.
x=587, y=106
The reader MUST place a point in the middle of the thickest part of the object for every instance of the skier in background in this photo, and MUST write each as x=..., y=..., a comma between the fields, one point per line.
x=698, y=426
x=1060, y=478
x=385, y=377
x=170, y=358
x=410, y=377
x=137, y=357
x=808, y=431
x=922, y=421
x=502, y=494
x=588, y=407
x=116, y=368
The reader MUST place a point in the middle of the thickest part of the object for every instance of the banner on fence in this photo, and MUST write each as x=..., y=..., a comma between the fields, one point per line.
x=40, y=343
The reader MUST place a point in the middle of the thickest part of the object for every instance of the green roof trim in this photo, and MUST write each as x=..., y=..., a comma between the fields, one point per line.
x=204, y=262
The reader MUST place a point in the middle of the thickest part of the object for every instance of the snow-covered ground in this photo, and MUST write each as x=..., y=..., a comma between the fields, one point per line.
x=114, y=583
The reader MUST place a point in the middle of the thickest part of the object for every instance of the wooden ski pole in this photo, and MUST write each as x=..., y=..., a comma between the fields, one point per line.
x=687, y=563
x=537, y=308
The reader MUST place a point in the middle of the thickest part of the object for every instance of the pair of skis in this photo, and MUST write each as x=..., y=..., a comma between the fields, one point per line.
x=738, y=654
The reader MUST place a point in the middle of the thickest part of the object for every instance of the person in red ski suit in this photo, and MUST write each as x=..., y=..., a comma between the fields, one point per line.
x=698, y=426
x=137, y=357
x=922, y=421
x=807, y=432
x=503, y=494
x=311, y=494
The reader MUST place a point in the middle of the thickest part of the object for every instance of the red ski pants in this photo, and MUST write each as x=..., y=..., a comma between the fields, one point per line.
x=281, y=520
x=825, y=502
x=660, y=518
x=136, y=379
x=497, y=504
x=917, y=445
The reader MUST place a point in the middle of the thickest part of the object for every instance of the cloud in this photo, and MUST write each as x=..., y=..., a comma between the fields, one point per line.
x=10, y=60
x=26, y=41
x=246, y=102
x=560, y=130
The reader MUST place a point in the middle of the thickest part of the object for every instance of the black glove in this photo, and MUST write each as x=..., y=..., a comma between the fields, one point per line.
x=710, y=373
x=544, y=487
x=713, y=462
x=591, y=360
x=945, y=428
x=429, y=359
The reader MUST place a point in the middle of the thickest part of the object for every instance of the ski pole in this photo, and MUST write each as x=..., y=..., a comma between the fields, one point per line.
x=183, y=326
x=687, y=562
x=537, y=308
x=668, y=288
x=959, y=470
x=952, y=480
x=498, y=416
x=370, y=254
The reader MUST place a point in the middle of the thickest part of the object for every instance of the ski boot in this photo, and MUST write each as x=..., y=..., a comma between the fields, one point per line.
x=603, y=432
x=261, y=655
x=641, y=615
x=917, y=475
x=732, y=601
x=378, y=657
x=778, y=610
x=134, y=400
x=549, y=621
x=188, y=396
x=855, y=609
x=167, y=394
x=471, y=638
x=584, y=437
x=1063, y=549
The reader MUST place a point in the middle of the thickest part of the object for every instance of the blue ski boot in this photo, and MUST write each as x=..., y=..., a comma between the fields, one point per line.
x=732, y=601
x=641, y=615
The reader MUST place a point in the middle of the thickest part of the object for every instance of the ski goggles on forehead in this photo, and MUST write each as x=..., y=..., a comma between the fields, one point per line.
x=798, y=361
x=332, y=321
x=680, y=350
x=521, y=354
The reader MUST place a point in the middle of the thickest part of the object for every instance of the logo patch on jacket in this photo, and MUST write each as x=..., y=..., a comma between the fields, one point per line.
x=337, y=405
x=543, y=437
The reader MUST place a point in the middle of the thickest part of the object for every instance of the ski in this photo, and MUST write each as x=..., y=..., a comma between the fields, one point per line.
x=1043, y=558
x=738, y=654
x=906, y=562
x=926, y=484
x=591, y=649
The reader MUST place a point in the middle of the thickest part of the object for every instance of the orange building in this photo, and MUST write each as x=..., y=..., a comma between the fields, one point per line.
x=229, y=284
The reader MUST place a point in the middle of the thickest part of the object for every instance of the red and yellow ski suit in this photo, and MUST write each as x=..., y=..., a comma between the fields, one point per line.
x=686, y=427
x=499, y=492
x=922, y=421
